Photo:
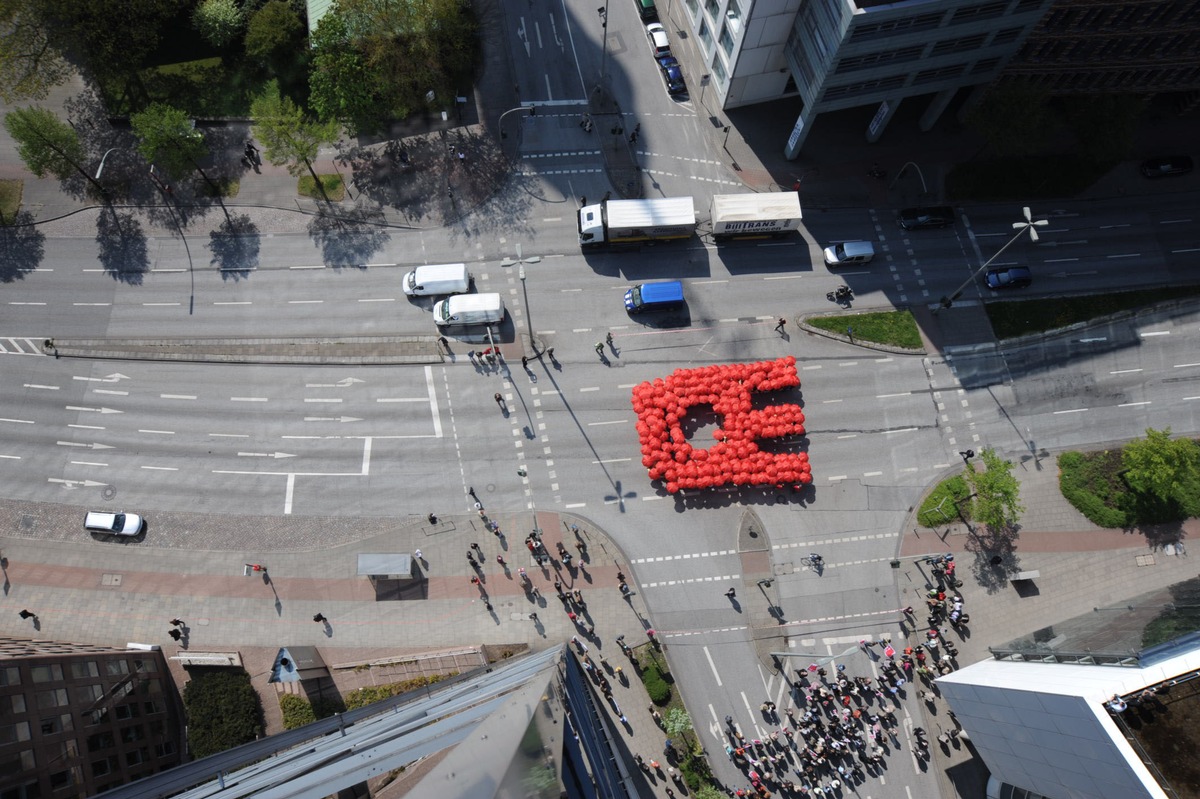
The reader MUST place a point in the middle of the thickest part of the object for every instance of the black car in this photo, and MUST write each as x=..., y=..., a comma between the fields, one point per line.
x=1168, y=166
x=918, y=218
x=1009, y=277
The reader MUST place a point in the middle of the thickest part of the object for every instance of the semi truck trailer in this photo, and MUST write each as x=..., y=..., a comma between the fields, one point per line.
x=741, y=216
x=631, y=221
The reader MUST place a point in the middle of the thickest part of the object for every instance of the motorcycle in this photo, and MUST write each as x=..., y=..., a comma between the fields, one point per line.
x=842, y=293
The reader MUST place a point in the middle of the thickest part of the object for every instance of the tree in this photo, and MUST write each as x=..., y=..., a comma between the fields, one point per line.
x=47, y=144
x=677, y=721
x=339, y=85
x=219, y=21
x=997, y=493
x=112, y=37
x=1165, y=469
x=168, y=139
x=286, y=135
x=273, y=29
x=29, y=64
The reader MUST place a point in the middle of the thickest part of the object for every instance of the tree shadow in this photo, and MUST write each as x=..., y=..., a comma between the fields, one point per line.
x=350, y=239
x=235, y=245
x=22, y=247
x=123, y=251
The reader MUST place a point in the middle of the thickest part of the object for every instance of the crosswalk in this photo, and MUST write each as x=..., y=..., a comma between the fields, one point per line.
x=21, y=345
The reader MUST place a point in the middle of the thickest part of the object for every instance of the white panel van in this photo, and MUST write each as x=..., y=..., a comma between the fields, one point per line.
x=436, y=279
x=469, y=309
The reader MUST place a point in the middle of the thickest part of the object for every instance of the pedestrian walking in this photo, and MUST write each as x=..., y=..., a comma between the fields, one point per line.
x=524, y=362
x=320, y=618
x=177, y=622
x=781, y=325
x=637, y=128
x=600, y=348
x=500, y=560
x=550, y=353
x=27, y=614
x=432, y=518
x=609, y=338
x=478, y=549
x=730, y=594
x=417, y=554
x=633, y=137
x=471, y=559
x=499, y=399
x=533, y=617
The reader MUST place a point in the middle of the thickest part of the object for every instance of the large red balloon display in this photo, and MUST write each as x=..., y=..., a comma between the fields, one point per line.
x=662, y=406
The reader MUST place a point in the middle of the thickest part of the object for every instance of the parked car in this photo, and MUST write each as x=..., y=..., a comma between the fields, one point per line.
x=1008, y=277
x=646, y=10
x=918, y=218
x=672, y=75
x=113, y=523
x=1167, y=166
x=660, y=45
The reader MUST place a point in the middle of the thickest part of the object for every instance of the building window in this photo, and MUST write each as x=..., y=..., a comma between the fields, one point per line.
x=163, y=749
x=124, y=712
x=705, y=36
x=55, y=697
x=86, y=694
x=883, y=30
x=934, y=75
x=105, y=765
x=11, y=733
x=947, y=46
x=726, y=41
x=62, y=779
x=132, y=734
x=54, y=724
x=135, y=757
x=871, y=60
x=693, y=8
x=733, y=17
x=1027, y=5
x=719, y=70
x=51, y=673
x=866, y=87
x=814, y=33
x=984, y=66
x=116, y=668
x=1007, y=35
x=714, y=11
x=154, y=706
x=973, y=13
x=101, y=740
x=81, y=670
x=10, y=675
x=18, y=703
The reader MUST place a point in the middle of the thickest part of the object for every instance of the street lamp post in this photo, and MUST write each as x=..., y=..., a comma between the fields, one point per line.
x=603, y=13
x=1029, y=224
x=103, y=158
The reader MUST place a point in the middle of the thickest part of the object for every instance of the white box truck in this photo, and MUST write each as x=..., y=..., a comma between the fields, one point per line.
x=631, y=221
x=744, y=216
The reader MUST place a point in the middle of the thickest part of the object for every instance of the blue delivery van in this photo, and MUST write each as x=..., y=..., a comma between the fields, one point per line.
x=648, y=297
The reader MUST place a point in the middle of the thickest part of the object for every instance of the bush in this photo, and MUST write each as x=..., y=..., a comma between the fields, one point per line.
x=307, y=187
x=1090, y=482
x=223, y=711
x=942, y=504
x=296, y=711
x=274, y=30
x=362, y=697
x=656, y=685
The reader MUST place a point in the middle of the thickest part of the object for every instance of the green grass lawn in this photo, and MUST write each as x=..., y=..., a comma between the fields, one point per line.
x=896, y=328
x=10, y=199
x=334, y=188
x=1012, y=319
x=940, y=508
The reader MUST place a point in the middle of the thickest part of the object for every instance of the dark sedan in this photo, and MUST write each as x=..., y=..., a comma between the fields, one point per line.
x=1009, y=277
x=919, y=218
x=672, y=75
x=1166, y=167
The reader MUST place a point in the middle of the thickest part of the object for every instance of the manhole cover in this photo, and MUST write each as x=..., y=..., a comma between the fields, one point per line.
x=108, y=492
x=113, y=580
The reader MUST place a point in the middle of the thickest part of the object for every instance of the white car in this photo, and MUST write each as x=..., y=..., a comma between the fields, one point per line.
x=660, y=45
x=113, y=523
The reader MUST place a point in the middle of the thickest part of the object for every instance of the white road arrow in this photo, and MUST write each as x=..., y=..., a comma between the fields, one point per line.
x=76, y=483
x=93, y=410
x=81, y=444
x=265, y=455
x=115, y=377
x=331, y=419
x=345, y=382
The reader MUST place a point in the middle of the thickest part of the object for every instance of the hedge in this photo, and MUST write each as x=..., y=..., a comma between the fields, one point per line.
x=223, y=711
x=656, y=685
x=1089, y=482
x=362, y=697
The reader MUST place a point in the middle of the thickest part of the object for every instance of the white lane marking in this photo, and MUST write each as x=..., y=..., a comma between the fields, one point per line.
x=1156, y=333
x=573, y=505
x=177, y=396
x=87, y=426
x=322, y=399
x=1185, y=365
x=1124, y=371
x=92, y=410
x=402, y=399
x=1133, y=404
x=110, y=391
x=433, y=402
x=10, y=457
x=91, y=304
x=1073, y=410
x=585, y=390
x=159, y=432
x=900, y=430
x=889, y=396
x=29, y=303
x=232, y=302
x=81, y=444
x=159, y=468
x=314, y=266
x=872, y=474
x=305, y=302
x=1174, y=221
x=247, y=399
x=230, y=435
x=830, y=402
x=88, y=463
x=617, y=421
x=43, y=388
x=160, y=304
x=379, y=299
x=713, y=666
x=1125, y=255
x=289, y=493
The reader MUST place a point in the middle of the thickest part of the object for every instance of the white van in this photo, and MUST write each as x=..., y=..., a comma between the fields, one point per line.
x=849, y=252
x=437, y=279
x=112, y=523
x=469, y=309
